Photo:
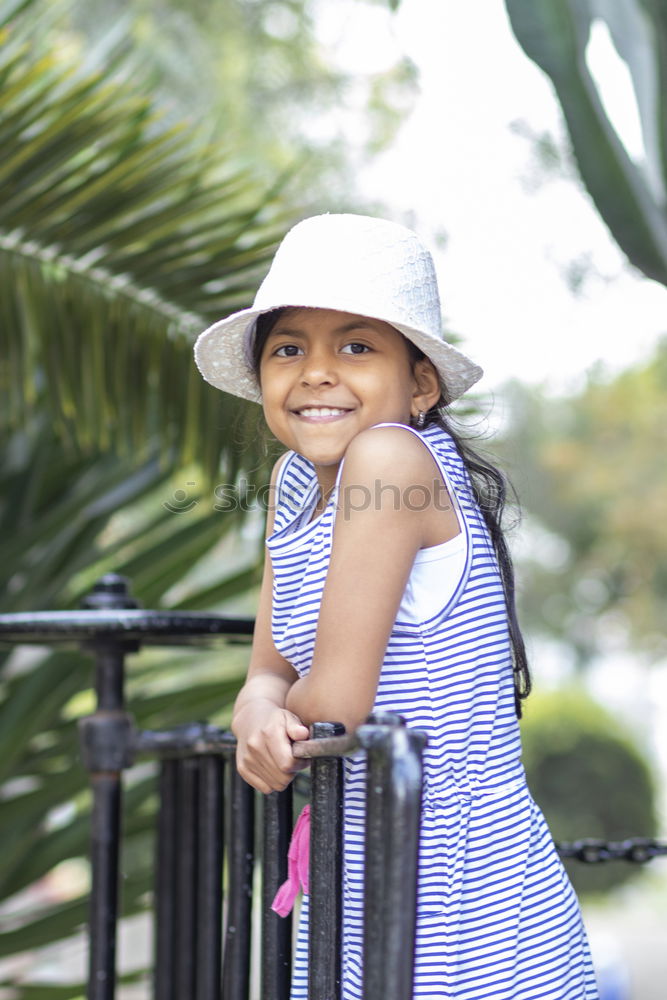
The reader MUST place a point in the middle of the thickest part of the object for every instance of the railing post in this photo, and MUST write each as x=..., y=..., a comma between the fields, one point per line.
x=326, y=871
x=393, y=807
x=240, y=861
x=106, y=748
x=188, y=878
x=165, y=885
x=209, y=894
x=187, y=799
x=276, y=931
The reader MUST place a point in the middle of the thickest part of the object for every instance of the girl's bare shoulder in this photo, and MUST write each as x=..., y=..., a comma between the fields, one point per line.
x=390, y=473
x=394, y=453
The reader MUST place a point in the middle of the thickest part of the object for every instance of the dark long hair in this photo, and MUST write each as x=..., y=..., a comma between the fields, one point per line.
x=490, y=489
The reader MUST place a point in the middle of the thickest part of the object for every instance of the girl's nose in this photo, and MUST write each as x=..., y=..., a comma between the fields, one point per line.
x=318, y=369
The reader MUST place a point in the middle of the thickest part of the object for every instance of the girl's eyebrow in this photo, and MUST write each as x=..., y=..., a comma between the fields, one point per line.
x=290, y=331
x=280, y=331
x=356, y=324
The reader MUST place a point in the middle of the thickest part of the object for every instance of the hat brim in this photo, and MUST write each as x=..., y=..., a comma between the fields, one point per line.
x=220, y=355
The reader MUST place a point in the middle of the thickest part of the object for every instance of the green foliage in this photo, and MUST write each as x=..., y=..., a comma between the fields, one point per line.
x=289, y=95
x=588, y=778
x=629, y=197
x=199, y=55
x=119, y=240
x=591, y=473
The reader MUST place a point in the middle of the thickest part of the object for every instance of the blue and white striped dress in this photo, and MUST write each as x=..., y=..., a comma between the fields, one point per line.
x=497, y=917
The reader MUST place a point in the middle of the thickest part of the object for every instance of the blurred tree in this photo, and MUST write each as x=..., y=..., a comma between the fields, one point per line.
x=629, y=195
x=120, y=238
x=590, y=472
x=256, y=76
x=589, y=780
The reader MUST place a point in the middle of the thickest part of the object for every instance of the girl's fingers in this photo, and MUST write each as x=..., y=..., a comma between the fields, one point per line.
x=265, y=759
x=296, y=729
x=267, y=763
x=263, y=780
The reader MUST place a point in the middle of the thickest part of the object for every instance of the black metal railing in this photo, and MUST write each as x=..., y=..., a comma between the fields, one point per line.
x=207, y=820
x=206, y=828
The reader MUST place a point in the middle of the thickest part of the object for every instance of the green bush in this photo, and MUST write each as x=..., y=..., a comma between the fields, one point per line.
x=589, y=778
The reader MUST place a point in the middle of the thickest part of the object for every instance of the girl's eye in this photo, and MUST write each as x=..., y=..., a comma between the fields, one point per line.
x=287, y=351
x=355, y=348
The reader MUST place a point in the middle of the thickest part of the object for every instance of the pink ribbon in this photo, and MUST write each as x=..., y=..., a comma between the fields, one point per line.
x=298, y=856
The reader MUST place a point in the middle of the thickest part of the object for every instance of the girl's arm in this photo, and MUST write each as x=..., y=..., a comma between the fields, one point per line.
x=263, y=726
x=386, y=513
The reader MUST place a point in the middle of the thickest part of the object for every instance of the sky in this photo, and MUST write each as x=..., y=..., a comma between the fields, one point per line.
x=462, y=167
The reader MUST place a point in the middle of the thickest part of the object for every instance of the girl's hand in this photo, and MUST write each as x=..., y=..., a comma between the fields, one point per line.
x=265, y=732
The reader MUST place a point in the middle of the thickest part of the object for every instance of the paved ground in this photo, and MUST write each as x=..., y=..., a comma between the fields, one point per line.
x=629, y=938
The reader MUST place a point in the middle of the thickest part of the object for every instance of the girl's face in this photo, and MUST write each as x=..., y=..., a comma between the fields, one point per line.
x=327, y=375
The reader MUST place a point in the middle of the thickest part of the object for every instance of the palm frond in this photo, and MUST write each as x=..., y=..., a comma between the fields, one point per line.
x=120, y=239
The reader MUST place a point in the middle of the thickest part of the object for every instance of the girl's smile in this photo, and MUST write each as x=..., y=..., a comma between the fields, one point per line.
x=321, y=414
x=327, y=375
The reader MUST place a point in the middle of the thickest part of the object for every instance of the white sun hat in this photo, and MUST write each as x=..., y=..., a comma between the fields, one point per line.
x=353, y=263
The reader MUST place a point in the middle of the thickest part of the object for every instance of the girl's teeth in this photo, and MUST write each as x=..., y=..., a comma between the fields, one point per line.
x=321, y=411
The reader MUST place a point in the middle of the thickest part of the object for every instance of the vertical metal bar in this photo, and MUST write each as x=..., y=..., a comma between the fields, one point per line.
x=376, y=863
x=105, y=747
x=104, y=891
x=401, y=897
x=326, y=871
x=209, y=894
x=165, y=886
x=392, y=849
x=374, y=736
x=276, y=931
x=240, y=860
x=185, y=937
x=106, y=739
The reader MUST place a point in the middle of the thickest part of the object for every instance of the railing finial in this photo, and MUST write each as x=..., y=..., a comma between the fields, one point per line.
x=110, y=591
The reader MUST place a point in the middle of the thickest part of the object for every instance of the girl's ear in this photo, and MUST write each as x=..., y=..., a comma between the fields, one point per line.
x=427, y=390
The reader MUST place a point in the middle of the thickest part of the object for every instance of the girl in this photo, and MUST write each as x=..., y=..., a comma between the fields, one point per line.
x=388, y=587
